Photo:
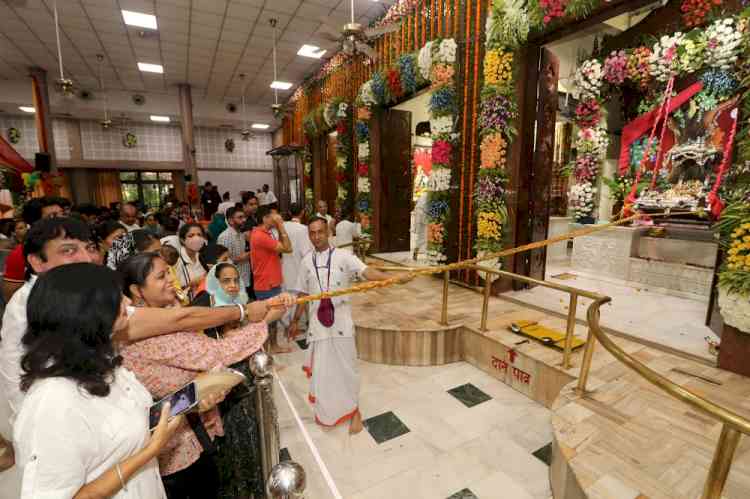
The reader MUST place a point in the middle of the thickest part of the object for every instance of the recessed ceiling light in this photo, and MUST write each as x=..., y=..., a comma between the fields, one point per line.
x=162, y=119
x=281, y=85
x=27, y=109
x=260, y=126
x=311, y=51
x=150, y=68
x=138, y=19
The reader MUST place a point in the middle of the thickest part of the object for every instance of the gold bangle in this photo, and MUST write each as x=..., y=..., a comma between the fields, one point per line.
x=119, y=475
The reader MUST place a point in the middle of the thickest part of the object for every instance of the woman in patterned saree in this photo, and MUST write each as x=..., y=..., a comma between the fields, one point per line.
x=167, y=363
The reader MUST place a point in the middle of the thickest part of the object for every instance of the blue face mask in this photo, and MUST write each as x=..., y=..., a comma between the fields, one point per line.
x=221, y=297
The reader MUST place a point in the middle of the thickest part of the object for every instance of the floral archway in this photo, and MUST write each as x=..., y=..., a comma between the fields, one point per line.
x=695, y=126
x=434, y=65
x=335, y=115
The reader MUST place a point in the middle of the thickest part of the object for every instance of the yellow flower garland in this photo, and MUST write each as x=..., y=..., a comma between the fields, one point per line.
x=489, y=225
x=498, y=67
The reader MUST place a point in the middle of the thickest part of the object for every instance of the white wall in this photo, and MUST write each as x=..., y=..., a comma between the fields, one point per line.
x=28, y=146
x=419, y=107
x=155, y=142
x=211, y=153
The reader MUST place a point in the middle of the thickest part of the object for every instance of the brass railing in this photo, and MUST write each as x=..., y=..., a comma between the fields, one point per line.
x=734, y=425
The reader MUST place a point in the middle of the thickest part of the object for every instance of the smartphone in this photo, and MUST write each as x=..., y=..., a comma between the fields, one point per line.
x=182, y=401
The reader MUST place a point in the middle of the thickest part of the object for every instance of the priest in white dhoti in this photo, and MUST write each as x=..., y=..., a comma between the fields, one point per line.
x=331, y=361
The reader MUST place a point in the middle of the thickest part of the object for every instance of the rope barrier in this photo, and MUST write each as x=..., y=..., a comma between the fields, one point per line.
x=408, y=276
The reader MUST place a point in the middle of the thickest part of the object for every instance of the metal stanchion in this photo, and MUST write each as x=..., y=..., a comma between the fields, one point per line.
x=287, y=481
x=570, y=330
x=486, y=302
x=444, y=310
x=261, y=365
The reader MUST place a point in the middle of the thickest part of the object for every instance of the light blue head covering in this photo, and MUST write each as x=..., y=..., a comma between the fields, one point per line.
x=221, y=297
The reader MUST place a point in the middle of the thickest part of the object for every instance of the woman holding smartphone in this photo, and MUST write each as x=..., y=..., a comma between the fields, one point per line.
x=83, y=429
x=166, y=363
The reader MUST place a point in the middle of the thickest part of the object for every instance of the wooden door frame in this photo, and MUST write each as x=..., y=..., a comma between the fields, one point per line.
x=521, y=175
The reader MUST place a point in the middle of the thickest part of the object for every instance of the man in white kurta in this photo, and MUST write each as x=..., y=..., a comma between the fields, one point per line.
x=291, y=262
x=332, y=357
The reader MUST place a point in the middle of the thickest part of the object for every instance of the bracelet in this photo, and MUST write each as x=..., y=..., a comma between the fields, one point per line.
x=119, y=475
x=242, y=312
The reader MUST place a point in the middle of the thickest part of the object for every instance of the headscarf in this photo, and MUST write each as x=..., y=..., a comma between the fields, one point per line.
x=221, y=297
x=217, y=226
x=122, y=248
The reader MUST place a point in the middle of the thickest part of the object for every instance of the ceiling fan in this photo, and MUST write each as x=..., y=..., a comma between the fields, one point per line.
x=353, y=38
x=64, y=85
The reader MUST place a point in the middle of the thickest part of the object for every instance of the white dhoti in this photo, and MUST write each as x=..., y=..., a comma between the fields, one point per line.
x=331, y=361
x=334, y=386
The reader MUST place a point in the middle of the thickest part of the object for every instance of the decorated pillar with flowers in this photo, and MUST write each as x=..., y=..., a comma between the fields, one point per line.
x=433, y=65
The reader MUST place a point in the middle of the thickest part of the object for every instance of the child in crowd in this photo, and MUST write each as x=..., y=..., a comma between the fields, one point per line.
x=172, y=256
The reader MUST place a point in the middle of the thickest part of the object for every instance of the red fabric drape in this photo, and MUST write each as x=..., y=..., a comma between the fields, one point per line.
x=9, y=157
x=642, y=124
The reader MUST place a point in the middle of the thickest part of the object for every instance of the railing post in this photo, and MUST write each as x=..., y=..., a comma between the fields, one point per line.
x=723, y=455
x=570, y=330
x=287, y=481
x=486, y=302
x=261, y=365
x=444, y=310
x=588, y=354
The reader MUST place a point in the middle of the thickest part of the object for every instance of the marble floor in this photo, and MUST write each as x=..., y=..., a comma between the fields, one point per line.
x=432, y=432
x=656, y=317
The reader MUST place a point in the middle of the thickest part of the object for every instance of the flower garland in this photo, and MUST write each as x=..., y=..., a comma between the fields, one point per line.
x=434, y=65
x=335, y=115
x=713, y=50
x=364, y=196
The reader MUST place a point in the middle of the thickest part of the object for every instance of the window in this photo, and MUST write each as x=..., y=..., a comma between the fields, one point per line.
x=148, y=188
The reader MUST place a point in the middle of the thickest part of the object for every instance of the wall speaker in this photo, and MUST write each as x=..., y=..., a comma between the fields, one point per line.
x=42, y=162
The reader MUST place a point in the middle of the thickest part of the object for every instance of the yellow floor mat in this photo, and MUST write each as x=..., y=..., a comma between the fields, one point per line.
x=544, y=335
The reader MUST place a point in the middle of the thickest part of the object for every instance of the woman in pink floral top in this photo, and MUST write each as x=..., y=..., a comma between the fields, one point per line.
x=166, y=363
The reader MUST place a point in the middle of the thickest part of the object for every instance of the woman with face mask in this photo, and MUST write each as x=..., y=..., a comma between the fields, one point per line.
x=189, y=268
x=171, y=361
x=237, y=456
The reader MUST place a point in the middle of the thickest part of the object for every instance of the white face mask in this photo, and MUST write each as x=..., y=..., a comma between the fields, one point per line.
x=195, y=243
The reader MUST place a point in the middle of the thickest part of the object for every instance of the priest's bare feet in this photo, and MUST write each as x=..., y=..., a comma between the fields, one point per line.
x=356, y=426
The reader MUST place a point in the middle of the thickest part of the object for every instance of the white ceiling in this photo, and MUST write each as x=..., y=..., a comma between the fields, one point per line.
x=206, y=43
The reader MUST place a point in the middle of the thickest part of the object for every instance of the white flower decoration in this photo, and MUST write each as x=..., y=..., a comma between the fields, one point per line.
x=363, y=150
x=367, y=95
x=342, y=192
x=443, y=124
x=424, y=61
x=440, y=180
x=447, y=51
x=722, y=43
x=588, y=78
x=363, y=184
x=341, y=113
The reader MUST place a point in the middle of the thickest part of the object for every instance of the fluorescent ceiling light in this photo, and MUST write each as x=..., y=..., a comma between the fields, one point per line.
x=311, y=51
x=27, y=109
x=281, y=85
x=150, y=68
x=260, y=126
x=138, y=19
x=163, y=119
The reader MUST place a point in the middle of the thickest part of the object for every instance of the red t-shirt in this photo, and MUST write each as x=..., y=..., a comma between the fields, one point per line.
x=265, y=260
x=15, y=265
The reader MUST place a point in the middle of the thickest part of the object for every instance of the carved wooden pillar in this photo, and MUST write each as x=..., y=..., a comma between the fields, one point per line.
x=188, y=140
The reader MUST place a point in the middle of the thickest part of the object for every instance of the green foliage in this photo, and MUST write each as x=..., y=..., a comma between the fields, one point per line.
x=732, y=217
x=735, y=281
x=578, y=9
x=508, y=24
